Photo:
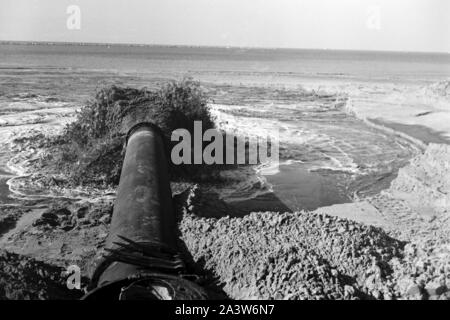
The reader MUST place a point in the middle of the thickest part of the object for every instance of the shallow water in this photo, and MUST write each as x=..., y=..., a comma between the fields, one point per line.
x=4, y=188
x=327, y=156
x=301, y=189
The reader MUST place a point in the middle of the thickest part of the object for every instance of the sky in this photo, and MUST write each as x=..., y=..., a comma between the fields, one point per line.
x=392, y=25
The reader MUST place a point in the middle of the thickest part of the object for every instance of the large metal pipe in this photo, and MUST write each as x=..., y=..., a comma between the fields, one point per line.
x=142, y=260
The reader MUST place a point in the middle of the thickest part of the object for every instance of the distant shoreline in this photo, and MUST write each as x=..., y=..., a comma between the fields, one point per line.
x=58, y=43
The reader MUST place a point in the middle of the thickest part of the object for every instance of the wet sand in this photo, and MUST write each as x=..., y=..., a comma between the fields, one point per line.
x=422, y=133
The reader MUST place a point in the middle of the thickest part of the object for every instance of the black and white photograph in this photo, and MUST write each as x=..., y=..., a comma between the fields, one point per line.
x=240, y=152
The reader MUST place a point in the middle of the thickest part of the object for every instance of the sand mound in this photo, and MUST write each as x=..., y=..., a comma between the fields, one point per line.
x=310, y=255
x=25, y=278
x=425, y=182
x=292, y=255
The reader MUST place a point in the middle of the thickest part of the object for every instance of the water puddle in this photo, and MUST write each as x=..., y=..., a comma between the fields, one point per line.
x=4, y=177
x=300, y=189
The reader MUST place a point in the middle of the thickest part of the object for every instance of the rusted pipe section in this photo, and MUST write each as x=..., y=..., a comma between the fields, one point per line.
x=142, y=261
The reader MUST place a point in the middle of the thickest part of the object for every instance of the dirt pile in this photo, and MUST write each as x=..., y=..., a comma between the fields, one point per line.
x=25, y=278
x=9, y=218
x=66, y=233
x=424, y=270
x=425, y=183
x=292, y=255
x=423, y=190
x=302, y=255
x=59, y=216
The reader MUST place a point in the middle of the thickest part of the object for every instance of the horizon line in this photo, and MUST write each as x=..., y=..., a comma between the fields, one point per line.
x=124, y=44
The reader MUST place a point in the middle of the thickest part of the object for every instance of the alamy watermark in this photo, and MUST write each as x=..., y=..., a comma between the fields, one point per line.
x=73, y=273
x=214, y=147
x=73, y=21
x=373, y=21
